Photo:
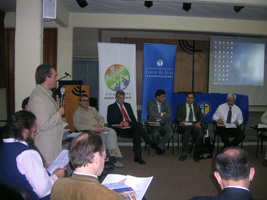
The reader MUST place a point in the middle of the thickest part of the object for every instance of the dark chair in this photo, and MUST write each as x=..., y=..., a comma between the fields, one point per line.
x=177, y=129
x=8, y=192
x=217, y=134
x=93, y=102
x=147, y=128
x=261, y=138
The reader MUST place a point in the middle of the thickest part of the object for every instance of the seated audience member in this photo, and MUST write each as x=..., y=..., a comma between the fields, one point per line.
x=264, y=121
x=88, y=118
x=87, y=154
x=233, y=174
x=190, y=112
x=24, y=104
x=229, y=113
x=21, y=166
x=160, y=110
x=121, y=113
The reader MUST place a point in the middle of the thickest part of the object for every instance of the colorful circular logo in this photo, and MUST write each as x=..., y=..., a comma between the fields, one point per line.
x=117, y=77
x=205, y=107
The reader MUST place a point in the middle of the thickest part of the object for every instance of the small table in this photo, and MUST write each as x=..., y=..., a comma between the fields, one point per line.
x=260, y=137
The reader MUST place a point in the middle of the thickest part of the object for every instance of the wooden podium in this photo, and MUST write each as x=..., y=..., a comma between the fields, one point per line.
x=72, y=101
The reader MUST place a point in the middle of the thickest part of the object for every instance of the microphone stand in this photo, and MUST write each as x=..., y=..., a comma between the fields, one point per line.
x=67, y=75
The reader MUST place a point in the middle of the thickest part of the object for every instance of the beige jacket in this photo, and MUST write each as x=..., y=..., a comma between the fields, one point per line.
x=49, y=124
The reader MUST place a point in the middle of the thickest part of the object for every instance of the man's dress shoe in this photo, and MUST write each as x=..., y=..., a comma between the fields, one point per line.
x=183, y=157
x=160, y=151
x=154, y=145
x=140, y=161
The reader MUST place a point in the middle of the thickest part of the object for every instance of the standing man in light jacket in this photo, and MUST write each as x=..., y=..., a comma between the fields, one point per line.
x=48, y=113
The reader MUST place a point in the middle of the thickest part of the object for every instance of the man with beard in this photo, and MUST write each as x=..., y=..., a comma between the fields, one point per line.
x=21, y=166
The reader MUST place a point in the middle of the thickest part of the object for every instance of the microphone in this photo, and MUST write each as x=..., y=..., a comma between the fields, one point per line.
x=67, y=74
x=62, y=92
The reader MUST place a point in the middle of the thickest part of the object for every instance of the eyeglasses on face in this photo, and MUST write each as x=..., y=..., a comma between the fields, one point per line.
x=85, y=100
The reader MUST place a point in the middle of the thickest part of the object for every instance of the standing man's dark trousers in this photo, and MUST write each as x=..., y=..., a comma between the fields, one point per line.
x=197, y=134
x=136, y=132
x=239, y=136
x=165, y=131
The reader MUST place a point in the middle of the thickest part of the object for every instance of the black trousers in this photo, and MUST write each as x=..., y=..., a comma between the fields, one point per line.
x=136, y=132
x=237, y=133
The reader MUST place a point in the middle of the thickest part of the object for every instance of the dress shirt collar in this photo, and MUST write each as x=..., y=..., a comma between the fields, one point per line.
x=11, y=140
x=78, y=173
x=49, y=91
x=239, y=187
x=187, y=105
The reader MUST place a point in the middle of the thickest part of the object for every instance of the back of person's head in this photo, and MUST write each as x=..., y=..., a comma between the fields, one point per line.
x=233, y=164
x=120, y=92
x=18, y=123
x=159, y=93
x=190, y=93
x=43, y=71
x=231, y=95
x=83, y=95
x=24, y=103
x=83, y=148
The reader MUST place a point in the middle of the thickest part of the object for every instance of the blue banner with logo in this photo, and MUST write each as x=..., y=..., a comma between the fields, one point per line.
x=158, y=73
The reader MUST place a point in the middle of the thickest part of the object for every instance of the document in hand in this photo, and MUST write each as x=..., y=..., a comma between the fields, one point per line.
x=60, y=162
x=262, y=126
x=138, y=184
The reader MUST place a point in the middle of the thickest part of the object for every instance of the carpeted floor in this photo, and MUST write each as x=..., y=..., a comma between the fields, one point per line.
x=178, y=180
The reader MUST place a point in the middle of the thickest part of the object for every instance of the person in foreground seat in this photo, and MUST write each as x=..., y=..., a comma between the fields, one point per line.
x=121, y=113
x=229, y=113
x=233, y=174
x=87, y=118
x=160, y=110
x=192, y=113
x=21, y=166
x=87, y=155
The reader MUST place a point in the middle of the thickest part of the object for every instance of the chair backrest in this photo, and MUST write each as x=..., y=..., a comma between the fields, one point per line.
x=8, y=192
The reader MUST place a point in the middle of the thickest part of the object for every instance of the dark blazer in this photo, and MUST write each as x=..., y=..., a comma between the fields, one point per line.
x=152, y=109
x=228, y=194
x=181, y=113
x=114, y=115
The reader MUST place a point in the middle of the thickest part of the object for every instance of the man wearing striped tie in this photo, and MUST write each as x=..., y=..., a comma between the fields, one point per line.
x=189, y=118
x=229, y=113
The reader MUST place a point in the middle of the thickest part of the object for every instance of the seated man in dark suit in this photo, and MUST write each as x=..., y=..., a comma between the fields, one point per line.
x=229, y=113
x=122, y=113
x=233, y=174
x=160, y=110
x=192, y=113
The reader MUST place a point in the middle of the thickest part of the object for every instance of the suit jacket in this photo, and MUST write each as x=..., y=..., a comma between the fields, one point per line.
x=152, y=109
x=49, y=124
x=228, y=194
x=81, y=187
x=181, y=113
x=114, y=115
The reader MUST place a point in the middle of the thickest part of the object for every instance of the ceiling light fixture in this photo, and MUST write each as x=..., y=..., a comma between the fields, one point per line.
x=186, y=6
x=238, y=8
x=148, y=4
x=82, y=3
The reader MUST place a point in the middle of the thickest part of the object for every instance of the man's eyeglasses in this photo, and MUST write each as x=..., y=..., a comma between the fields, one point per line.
x=84, y=100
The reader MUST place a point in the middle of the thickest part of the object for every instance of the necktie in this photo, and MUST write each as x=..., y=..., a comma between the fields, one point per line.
x=124, y=114
x=229, y=116
x=190, y=114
